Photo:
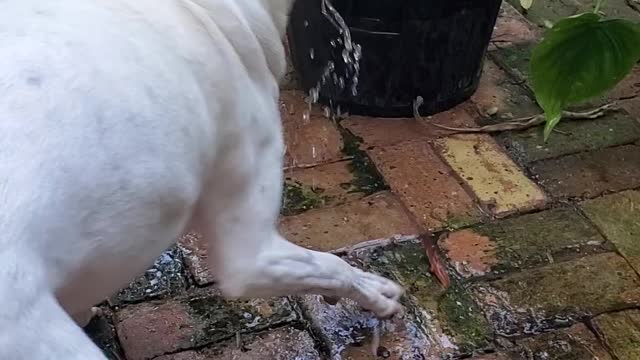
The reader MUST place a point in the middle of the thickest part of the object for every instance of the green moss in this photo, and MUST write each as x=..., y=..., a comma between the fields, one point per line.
x=298, y=198
x=617, y=217
x=463, y=319
x=621, y=332
x=611, y=130
x=455, y=310
x=366, y=178
x=455, y=222
x=574, y=287
x=537, y=239
x=515, y=57
x=219, y=319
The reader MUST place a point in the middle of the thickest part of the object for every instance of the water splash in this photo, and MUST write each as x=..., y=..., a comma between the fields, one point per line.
x=351, y=55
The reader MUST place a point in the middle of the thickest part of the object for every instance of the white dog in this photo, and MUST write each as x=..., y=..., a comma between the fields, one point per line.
x=124, y=122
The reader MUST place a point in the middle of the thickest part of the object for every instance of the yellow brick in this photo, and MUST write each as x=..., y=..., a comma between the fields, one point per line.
x=495, y=179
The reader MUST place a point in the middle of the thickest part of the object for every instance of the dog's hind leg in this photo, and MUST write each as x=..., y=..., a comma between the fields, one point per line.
x=248, y=256
x=40, y=329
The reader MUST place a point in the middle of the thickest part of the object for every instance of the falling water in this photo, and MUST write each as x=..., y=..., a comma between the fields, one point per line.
x=351, y=55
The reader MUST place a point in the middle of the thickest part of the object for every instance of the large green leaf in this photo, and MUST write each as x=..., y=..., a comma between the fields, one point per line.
x=581, y=57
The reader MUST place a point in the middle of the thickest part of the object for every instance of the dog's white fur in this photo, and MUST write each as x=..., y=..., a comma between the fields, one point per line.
x=122, y=123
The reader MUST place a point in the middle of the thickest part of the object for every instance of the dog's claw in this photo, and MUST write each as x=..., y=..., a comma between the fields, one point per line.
x=331, y=300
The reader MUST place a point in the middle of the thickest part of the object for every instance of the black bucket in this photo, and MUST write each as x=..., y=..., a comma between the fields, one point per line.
x=429, y=48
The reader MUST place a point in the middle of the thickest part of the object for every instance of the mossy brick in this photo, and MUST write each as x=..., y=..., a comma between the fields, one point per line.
x=590, y=174
x=621, y=333
x=574, y=343
x=544, y=11
x=281, y=344
x=560, y=294
x=515, y=58
x=500, y=97
x=522, y=242
x=379, y=216
x=166, y=277
x=576, y=136
x=320, y=186
x=348, y=332
x=452, y=312
x=150, y=329
x=618, y=218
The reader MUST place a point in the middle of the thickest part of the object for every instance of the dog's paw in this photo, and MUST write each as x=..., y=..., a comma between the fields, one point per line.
x=377, y=294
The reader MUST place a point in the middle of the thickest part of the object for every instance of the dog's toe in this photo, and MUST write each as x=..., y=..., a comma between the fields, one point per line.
x=378, y=294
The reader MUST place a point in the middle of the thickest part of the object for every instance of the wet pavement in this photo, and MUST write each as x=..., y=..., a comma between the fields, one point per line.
x=540, y=241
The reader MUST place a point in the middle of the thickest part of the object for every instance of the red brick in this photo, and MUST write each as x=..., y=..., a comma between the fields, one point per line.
x=290, y=80
x=511, y=27
x=279, y=344
x=150, y=329
x=386, y=131
x=522, y=242
x=194, y=250
x=375, y=217
x=308, y=141
x=591, y=174
x=320, y=186
x=425, y=184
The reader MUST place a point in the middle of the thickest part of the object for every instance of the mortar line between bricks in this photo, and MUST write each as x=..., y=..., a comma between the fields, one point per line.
x=485, y=213
x=277, y=325
x=593, y=328
x=319, y=340
x=404, y=207
x=533, y=163
x=513, y=74
x=604, y=236
x=292, y=168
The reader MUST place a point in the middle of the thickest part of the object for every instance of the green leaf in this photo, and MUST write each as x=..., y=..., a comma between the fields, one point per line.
x=581, y=57
x=526, y=4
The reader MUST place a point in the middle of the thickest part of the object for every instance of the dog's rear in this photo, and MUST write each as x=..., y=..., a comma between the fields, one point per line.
x=104, y=137
x=120, y=123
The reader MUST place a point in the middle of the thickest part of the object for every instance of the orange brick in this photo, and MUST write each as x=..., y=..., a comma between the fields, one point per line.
x=311, y=140
x=385, y=131
x=425, y=184
x=375, y=217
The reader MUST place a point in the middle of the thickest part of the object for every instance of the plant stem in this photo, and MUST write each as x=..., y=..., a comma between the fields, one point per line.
x=599, y=3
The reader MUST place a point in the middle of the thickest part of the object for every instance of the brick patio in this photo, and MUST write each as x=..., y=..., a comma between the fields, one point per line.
x=540, y=240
